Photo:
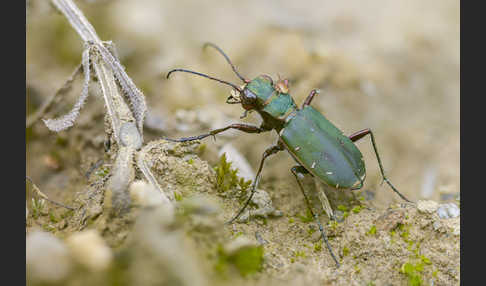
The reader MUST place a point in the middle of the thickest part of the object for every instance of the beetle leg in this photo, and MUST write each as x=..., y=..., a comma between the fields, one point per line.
x=239, y=126
x=324, y=200
x=310, y=97
x=299, y=170
x=360, y=134
x=269, y=151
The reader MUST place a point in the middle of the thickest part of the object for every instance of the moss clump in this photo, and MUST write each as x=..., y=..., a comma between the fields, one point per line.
x=247, y=260
x=357, y=209
x=178, y=196
x=342, y=208
x=412, y=271
x=307, y=218
x=227, y=178
x=345, y=251
x=372, y=230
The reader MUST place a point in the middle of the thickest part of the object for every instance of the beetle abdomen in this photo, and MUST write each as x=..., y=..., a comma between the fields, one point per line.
x=323, y=149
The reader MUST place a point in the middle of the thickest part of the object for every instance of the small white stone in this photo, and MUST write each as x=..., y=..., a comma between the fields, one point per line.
x=90, y=250
x=448, y=210
x=47, y=258
x=144, y=194
x=427, y=206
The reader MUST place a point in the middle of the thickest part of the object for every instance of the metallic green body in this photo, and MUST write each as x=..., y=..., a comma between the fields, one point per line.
x=323, y=149
x=274, y=104
x=312, y=140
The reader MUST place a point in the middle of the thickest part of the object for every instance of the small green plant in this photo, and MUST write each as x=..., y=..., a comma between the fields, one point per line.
x=307, y=218
x=247, y=261
x=372, y=230
x=37, y=207
x=342, y=208
x=227, y=178
x=357, y=209
x=345, y=251
x=412, y=271
x=299, y=254
x=178, y=196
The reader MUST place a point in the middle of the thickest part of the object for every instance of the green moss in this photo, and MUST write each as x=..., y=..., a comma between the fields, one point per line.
x=310, y=231
x=227, y=178
x=425, y=260
x=333, y=224
x=412, y=271
x=178, y=196
x=300, y=254
x=291, y=220
x=342, y=208
x=37, y=207
x=53, y=218
x=202, y=148
x=307, y=218
x=248, y=260
x=357, y=209
x=318, y=246
x=190, y=161
x=345, y=251
x=102, y=172
x=345, y=215
x=372, y=230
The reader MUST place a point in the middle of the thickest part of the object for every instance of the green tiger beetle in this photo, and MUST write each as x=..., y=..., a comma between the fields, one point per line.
x=319, y=148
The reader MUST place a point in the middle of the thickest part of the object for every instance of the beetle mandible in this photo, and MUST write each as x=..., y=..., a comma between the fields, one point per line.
x=319, y=148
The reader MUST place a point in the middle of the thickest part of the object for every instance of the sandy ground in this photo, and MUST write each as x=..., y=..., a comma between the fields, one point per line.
x=391, y=67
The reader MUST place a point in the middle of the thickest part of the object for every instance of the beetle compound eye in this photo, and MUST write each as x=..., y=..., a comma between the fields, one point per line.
x=248, y=99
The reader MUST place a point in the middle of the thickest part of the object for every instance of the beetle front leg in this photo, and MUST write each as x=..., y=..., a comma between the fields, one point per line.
x=239, y=126
x=310, y=97
x=269, y=151
x=301, y=171
x=360, y=134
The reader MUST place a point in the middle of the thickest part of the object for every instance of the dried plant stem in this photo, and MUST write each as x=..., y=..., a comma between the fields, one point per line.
x=53, y=99
x=44, y=196
x=86, y=31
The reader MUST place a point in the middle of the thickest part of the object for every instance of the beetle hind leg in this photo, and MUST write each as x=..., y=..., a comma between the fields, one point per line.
x=360, y=134
x=326, y=205
x=299, y=173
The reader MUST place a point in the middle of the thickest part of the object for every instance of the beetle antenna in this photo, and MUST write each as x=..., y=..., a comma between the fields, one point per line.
x=206, y=76
x=227, y=59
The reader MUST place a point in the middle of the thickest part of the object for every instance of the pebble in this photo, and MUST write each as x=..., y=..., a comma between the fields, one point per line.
x=427, y=206
x=90, y=250
x=449, y=210
x=47, y=258
x=144, y=194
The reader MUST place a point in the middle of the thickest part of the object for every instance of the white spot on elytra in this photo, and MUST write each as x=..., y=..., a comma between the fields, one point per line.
x=297, y=148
